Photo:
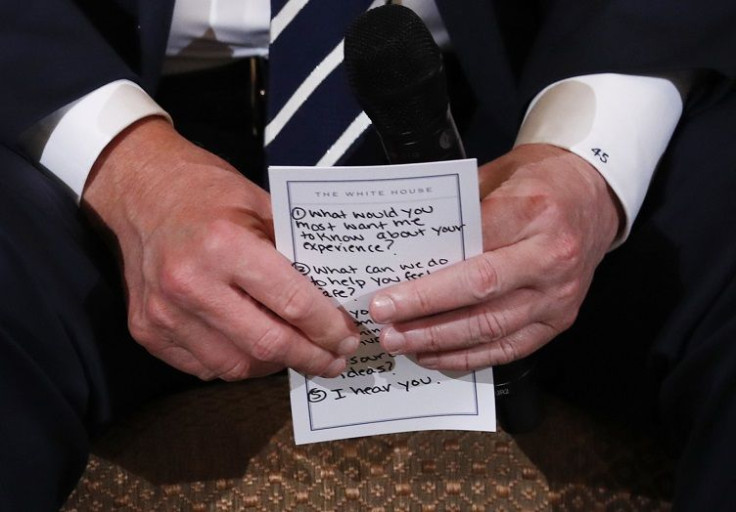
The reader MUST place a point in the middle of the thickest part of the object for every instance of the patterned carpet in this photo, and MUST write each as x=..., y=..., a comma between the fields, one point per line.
x=230, y=447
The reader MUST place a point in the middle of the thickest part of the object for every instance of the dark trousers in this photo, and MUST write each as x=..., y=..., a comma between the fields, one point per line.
x=655, y=341
x=68, y=365
x=658, y=323
x=66, y=359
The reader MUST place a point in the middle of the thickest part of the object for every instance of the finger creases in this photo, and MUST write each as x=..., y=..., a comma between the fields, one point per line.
x=503, y=351
x=467, y=283
x=467, y=327
x=270, y=279
x=267, y=338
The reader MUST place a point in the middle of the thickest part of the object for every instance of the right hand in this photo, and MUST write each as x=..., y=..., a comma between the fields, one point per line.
x=548, y=219
x=208, y=293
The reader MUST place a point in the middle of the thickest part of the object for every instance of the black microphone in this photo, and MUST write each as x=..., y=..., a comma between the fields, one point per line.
x=397, y=74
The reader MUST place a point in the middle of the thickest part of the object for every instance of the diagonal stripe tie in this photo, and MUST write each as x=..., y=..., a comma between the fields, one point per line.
x=313, y=118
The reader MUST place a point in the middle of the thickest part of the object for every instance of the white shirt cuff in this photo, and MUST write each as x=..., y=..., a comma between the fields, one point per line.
x=620, y=124
x=81, y=130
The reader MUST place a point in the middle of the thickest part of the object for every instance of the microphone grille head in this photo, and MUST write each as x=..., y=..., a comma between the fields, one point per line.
x=395, y=69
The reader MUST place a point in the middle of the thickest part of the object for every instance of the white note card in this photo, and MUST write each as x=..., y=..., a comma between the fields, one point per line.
x=352, y=231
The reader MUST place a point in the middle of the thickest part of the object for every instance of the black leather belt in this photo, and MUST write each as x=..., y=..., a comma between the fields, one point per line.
x=222, y=109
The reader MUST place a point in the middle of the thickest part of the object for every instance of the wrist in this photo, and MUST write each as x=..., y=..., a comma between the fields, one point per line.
x=592, y=185
x=611, y=214
x=69, y=140
x=150, y=173
x=122, y=171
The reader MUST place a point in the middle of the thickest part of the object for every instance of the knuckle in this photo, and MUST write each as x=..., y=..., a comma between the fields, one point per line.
x=545, y=332
x=508, y=352
x=487, y=326
x=218, y=237
x=205, y=375
x=318, y=366
x=567, y=318
x=423, y=298
x=146, y=322
x=481, y=277
x=566, y=251
x=138, y=327
x=547, y=206
x=539, y=204
x=176, y=279
x=270, y=346
x=239, y=370
x=570, y=292
x=142, y=335
x=433, y=339
x=466, y=364
x=156, y=315
x=297, y=304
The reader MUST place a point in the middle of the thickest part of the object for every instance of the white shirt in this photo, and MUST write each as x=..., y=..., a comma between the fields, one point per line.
x=620, y=124
x=206, y=33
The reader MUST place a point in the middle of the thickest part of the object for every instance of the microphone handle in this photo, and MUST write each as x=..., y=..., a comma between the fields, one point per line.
x=518, y=405
x=439, y=141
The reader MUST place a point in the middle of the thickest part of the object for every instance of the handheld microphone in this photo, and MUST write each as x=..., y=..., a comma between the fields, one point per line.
x=396, y=72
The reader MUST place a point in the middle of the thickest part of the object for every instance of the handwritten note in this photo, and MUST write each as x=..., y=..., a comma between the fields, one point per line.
x=352, y=231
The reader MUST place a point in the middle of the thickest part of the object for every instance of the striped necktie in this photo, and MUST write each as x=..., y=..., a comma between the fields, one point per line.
x=313, y=118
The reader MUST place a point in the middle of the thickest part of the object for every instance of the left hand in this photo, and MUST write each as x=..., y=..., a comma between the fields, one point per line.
x=208, y=293
x=548, y=219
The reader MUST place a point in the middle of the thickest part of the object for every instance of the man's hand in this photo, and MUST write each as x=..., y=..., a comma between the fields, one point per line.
x=207, y=291
x=548, y=219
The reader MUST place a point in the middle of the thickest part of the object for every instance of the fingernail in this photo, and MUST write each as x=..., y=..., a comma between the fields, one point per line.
x=392, y=341
x=348, y=345
x=382, y=308
x=335, y=369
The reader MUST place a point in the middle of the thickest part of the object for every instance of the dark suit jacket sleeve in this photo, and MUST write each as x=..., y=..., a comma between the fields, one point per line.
x=631, y=36
x=52, y=52
x=508, y=59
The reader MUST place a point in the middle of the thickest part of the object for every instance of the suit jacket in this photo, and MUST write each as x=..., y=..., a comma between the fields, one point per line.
x=54, y=51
